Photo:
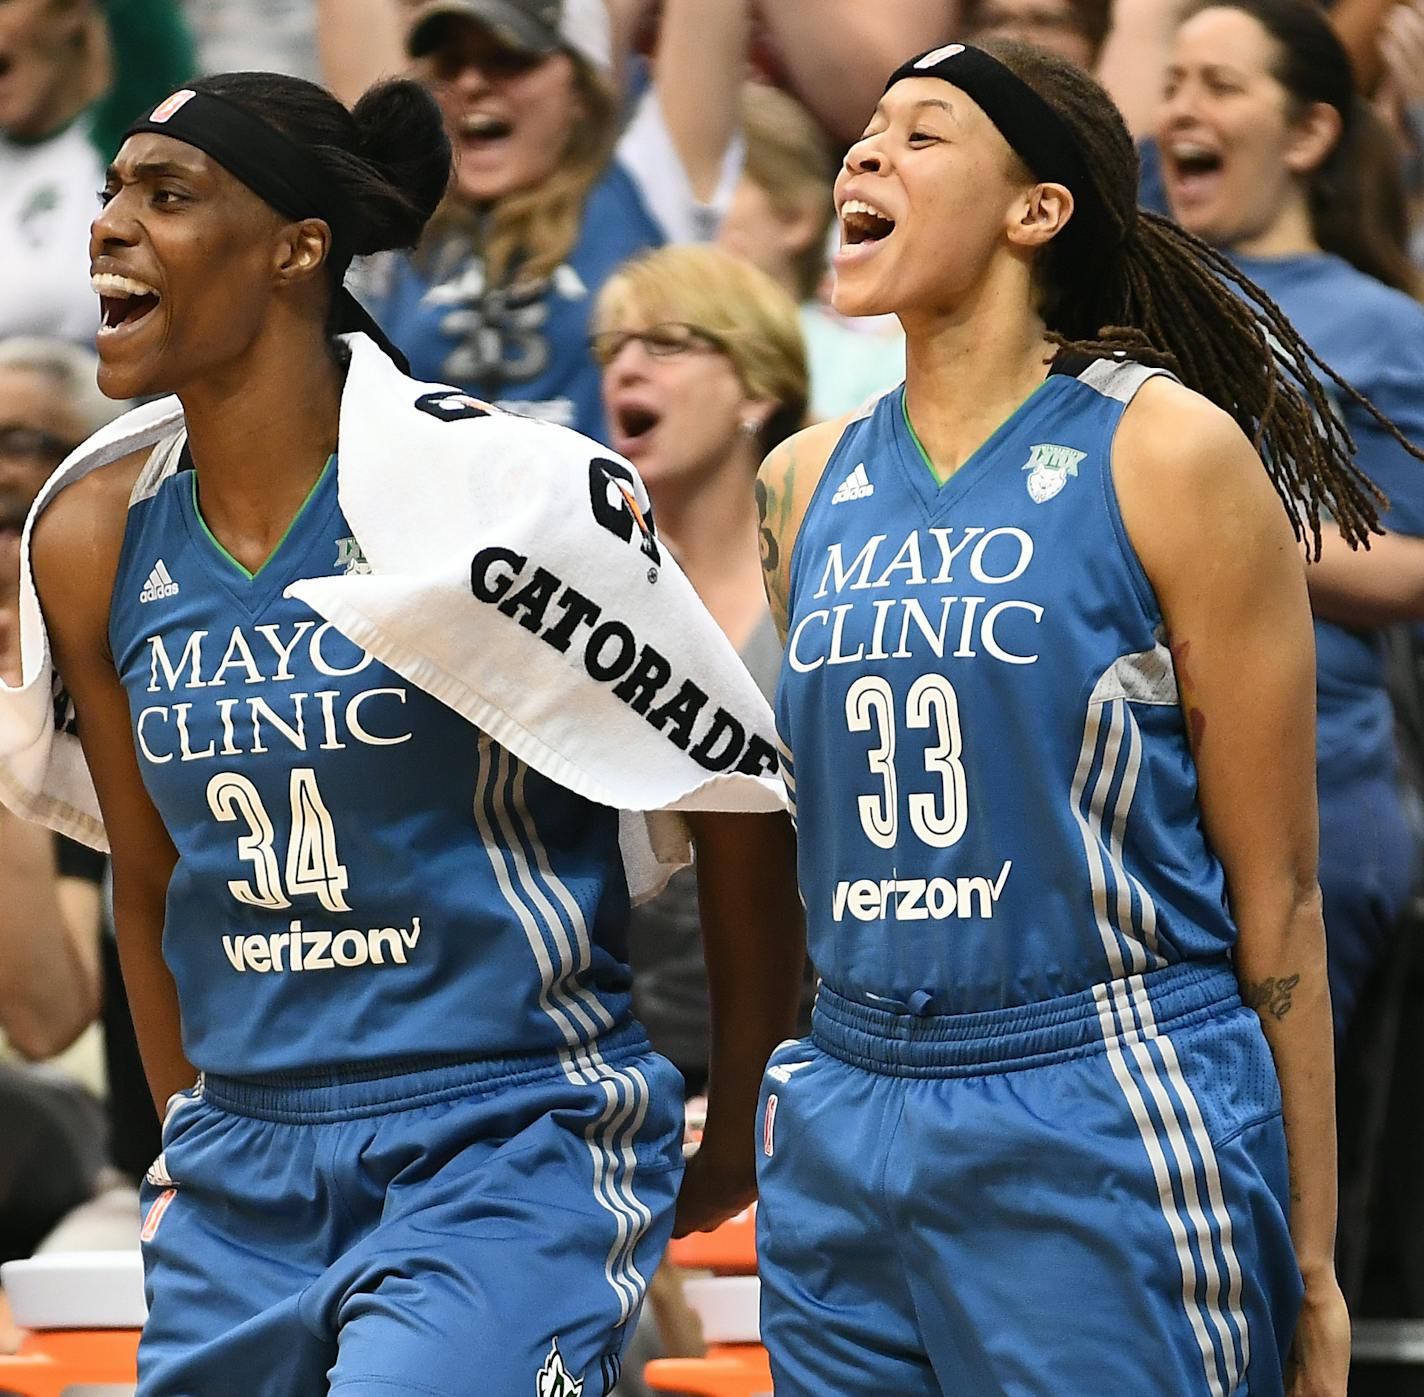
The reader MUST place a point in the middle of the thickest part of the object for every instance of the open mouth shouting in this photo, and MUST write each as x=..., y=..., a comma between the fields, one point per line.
x=1193, y=170
x=863, y=229
x=124, y=301
x=484, y=128
x=633, y=423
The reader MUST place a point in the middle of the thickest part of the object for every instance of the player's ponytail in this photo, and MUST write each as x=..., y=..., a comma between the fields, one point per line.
x=400, y=138
x=1148, y=290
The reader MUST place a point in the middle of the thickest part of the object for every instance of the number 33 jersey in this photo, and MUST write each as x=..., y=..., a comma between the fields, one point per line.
x=362, y=875
x=995, y=795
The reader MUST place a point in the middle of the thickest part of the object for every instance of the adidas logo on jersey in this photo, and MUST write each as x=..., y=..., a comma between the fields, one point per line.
x=159, y=584
x=856, y=486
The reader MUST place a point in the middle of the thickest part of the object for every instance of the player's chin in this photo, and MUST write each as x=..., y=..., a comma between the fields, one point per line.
x=853, y=295
x=122, y=377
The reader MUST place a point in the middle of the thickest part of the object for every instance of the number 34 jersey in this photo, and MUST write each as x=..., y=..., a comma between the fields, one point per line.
x=995, y=795
x=362, y=875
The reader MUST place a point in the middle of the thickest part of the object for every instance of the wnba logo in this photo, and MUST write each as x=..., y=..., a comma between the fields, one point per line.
x=170, y=106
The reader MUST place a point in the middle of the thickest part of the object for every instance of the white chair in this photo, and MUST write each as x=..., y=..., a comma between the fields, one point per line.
x=83, y=1311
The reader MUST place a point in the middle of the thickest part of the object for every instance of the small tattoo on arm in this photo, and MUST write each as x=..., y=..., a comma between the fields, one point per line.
x=1270, y=996
x=1187, y=689
x=770, y=549
x=774, y=513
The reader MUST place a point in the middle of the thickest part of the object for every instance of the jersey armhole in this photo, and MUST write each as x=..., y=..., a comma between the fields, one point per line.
x=1137, y=575
x=863, y=415
x=161, y=463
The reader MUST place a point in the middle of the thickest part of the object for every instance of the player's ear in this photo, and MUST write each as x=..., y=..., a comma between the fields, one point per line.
x=1042, y=214
x=300, y=250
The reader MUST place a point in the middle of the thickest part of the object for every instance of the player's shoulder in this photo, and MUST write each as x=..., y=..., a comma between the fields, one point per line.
x=76, y=540
x=1176, y=438
x=792, y=469
x=1183, y=471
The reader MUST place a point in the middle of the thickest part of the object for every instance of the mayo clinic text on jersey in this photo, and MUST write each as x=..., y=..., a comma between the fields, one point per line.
x=325, y=720
x=953, y=627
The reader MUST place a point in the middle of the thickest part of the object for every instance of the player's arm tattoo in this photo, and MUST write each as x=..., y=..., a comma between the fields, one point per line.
x=1187, y=689
x=773, y=513
x=1270, y=996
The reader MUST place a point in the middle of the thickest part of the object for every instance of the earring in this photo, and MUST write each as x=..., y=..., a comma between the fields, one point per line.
x=749, y=426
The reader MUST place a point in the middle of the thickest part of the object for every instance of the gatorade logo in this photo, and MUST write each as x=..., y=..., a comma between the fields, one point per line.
x=155, y=1214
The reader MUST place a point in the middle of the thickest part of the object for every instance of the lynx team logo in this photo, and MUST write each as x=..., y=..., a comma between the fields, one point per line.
x=349, y=557
x=1050, y=467
x=554, y=1379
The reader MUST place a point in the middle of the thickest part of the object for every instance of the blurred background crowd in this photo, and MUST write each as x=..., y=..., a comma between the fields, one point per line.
x=635, y=243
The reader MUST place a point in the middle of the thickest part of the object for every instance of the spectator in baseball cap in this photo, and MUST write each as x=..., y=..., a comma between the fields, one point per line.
x=547, y=197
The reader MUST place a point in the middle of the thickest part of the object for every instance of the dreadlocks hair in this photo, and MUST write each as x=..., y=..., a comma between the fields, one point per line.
x=1164, y=298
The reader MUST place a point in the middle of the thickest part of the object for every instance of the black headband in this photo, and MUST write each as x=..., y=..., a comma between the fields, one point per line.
x=280, y=171
x=1035, y=132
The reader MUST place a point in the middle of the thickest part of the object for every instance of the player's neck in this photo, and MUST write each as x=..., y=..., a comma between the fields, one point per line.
x=260, y=432
x=967, y=371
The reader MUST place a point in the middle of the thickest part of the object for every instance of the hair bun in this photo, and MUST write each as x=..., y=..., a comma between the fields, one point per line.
x=401, y=135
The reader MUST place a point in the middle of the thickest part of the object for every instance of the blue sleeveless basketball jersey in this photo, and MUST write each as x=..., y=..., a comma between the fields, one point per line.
x=362, y=875
x=995, y=795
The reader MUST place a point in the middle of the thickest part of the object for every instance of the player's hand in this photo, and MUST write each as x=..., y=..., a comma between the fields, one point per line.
x=1319, y=1363
x=715, y=1187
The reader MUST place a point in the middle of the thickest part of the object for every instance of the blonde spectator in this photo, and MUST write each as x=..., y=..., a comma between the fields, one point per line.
x=703, y=373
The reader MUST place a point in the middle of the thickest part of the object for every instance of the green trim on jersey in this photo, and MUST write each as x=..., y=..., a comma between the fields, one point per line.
x=984, y=445
x=286, y=533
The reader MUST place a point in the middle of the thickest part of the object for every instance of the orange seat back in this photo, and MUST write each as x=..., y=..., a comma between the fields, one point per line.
x=729, y=1370
x=729, y=1250
x=50, y=1361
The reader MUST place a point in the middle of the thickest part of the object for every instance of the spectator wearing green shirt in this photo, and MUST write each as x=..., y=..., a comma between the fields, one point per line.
x=73, y=74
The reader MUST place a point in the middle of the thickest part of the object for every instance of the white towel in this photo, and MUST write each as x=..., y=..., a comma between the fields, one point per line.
x=513, y=577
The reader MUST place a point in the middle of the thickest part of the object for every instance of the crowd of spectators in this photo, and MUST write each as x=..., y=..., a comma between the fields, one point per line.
x=635, y=243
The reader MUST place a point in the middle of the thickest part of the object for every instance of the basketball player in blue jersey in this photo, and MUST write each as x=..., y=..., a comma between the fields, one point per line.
x=372, y=922
x=1064, y=1124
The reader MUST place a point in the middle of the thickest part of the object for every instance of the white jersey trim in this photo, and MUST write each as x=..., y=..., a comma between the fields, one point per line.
x=1119, y=378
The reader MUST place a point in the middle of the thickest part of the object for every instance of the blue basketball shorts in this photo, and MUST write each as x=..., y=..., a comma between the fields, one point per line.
x=473, y=1227
x=1081, y=1198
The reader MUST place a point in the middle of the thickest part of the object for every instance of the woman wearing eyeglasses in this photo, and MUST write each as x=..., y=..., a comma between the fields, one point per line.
x=704, y=371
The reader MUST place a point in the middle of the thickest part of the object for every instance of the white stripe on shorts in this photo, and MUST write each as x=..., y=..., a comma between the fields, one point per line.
x=577, y=1014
